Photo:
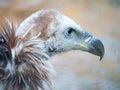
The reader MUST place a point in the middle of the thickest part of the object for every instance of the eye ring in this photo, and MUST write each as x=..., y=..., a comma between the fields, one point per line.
x=70, y=31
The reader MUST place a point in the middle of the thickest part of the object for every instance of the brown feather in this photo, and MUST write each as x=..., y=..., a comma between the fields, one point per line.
x=27, y=70
x=39, y=22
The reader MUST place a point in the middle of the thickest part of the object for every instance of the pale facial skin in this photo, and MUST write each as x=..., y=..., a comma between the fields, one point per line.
x=69, y=35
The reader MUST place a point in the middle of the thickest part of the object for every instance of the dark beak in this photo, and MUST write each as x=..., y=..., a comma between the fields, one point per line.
x=92, y=45
x=96, y=47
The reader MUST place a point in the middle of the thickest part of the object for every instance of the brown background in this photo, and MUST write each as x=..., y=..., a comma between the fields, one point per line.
x=79, y=70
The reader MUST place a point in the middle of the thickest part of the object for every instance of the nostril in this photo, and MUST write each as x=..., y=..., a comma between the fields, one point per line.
x=88, y=39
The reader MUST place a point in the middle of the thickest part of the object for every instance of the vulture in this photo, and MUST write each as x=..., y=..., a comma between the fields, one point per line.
x=25, y=49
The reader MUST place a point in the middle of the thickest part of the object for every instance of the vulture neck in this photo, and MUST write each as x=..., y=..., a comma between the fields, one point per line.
x=25, y=57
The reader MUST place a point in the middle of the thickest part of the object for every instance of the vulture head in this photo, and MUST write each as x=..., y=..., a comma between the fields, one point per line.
x=60, y=33
x=25, y=49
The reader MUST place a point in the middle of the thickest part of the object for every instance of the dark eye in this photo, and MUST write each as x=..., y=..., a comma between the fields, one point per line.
x=70, y=31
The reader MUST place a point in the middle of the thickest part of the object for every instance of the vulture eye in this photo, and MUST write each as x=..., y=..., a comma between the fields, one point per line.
x=70, y=31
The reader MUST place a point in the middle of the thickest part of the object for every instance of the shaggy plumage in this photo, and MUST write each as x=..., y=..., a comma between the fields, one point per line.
x=25, y=50
x=22, y=64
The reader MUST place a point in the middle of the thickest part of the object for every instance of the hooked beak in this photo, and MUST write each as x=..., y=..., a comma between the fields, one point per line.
x=92, y=45
x=96, y=47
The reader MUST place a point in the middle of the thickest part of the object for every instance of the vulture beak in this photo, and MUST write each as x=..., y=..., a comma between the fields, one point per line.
x=92, y=45
x=96, y=47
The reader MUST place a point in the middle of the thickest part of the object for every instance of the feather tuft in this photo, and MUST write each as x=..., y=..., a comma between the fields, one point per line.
x=21, y=64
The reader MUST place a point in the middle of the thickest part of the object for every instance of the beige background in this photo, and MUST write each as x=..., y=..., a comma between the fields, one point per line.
x=79, y=70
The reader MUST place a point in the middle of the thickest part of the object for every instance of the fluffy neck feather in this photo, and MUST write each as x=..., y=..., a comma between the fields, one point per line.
x=24, y=66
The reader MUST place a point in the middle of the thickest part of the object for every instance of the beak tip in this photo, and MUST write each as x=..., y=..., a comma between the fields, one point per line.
x=96, y=47
x=101, y=56
x=102, y=52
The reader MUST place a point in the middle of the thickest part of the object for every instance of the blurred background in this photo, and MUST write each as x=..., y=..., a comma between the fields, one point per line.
x=77, y=70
